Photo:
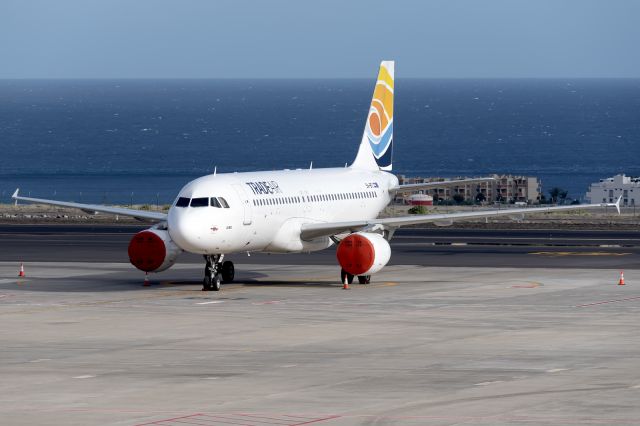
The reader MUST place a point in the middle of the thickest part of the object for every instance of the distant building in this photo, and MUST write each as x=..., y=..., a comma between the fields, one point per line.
x=504, y=189
x=608, y=190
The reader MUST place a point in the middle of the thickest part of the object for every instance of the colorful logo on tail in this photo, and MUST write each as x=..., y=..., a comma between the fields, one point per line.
x=379, y=129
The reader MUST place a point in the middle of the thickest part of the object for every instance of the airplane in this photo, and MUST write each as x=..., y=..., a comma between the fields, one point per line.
x=293, y=211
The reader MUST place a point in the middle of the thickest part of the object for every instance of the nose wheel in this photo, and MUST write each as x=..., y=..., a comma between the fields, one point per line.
x=217, y=272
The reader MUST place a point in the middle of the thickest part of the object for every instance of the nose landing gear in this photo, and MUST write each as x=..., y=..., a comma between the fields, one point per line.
x=216, y=272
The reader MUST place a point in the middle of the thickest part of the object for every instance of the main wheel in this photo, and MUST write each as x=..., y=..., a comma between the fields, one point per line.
x=207, y=282
x=364, y=279
x=344, y=273
x=216, y=283
x=228, y=272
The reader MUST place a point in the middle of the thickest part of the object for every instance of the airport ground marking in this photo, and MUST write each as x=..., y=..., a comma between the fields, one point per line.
x=604, y=302
x=532, y=284
x=242, y=419
x=576, y=253
x=557, y=370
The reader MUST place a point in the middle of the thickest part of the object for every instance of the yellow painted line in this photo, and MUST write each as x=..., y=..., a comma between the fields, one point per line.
x=576, y=253
x=530, y=284
x=379, y=285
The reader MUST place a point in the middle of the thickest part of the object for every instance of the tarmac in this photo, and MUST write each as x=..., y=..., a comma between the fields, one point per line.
x=447, y=247
x=85, y=343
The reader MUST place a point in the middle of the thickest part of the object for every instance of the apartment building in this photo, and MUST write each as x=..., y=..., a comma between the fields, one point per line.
x=608, y=190
x=505, y=189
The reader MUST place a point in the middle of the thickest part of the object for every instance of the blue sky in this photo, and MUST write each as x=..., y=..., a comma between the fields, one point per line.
x=311, y=39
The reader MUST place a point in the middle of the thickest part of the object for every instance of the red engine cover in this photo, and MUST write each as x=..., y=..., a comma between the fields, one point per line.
x=355, y=254
x=147, y=251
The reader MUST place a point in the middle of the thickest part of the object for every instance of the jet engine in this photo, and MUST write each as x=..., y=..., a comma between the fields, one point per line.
x=152, y=250
x=363, y=253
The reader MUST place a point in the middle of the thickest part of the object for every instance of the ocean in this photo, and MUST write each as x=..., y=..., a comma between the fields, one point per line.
x=140, y=141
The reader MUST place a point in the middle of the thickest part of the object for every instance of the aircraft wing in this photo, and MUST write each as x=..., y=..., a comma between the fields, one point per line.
x=93, y=208
x=428, y=185
x=315, y=230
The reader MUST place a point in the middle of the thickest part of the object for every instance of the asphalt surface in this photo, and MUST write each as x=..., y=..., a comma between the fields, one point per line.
x=410, y=246
x=88, y=344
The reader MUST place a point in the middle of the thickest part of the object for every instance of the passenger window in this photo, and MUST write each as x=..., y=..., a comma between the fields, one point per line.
x=199, y=202
x=223, y=202
x=216, y=203
x=182, y=202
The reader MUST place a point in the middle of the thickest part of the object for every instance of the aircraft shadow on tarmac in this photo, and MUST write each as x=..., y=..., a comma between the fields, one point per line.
x=105, y=284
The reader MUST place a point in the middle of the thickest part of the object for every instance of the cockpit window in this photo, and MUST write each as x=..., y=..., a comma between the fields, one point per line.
x=215, y=203
x=199, y=202
x=182, y=202
x=223, y=202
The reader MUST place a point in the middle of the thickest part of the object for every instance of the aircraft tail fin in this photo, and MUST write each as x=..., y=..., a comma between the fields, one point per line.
x=376, y=147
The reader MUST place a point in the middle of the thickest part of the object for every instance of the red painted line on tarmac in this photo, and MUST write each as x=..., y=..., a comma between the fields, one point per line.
x=157, y=422
x=607, y=301
x=253, y=416
x=315, y=421
x=196, y=423
x=224, y=419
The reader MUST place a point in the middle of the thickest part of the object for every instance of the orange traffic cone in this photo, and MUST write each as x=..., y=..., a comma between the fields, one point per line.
x=21, y=273
x=146, y=279
x=621, y=282
x=345, y=286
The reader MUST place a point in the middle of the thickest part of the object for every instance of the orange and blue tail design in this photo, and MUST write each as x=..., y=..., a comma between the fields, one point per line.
x=378, y=131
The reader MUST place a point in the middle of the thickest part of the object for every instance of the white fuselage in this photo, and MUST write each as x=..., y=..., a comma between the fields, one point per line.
x=267, y=209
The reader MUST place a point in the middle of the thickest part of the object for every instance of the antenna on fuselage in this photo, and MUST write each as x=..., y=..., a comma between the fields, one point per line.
x=311, y=166
x=215, y=170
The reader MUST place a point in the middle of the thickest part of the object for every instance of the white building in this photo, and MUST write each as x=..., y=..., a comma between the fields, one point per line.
x=608, y=190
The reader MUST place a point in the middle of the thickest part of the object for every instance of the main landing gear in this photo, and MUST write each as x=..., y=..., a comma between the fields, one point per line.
x=362, y=279
x=217, y=272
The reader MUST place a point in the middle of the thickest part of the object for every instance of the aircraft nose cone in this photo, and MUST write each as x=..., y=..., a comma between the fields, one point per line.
x=183, y=231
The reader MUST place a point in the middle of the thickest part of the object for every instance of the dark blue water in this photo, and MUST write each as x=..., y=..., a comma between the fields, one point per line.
x=117, y=141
